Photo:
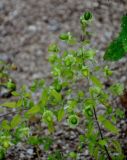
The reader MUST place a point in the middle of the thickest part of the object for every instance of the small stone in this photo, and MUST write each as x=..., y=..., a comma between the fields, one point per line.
x=2, y=6
x=86, y=152
x=53, y=25
x=30, y=151
x=32, y=28
x=22, y=155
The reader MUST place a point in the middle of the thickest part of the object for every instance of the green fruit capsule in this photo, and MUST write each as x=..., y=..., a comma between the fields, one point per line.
x=73, y=121
x=87, y=16
x=88, y=111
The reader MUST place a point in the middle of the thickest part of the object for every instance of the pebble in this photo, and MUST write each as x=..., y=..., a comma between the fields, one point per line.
x=30, y=151
x=53, y=25
x=32, y=28
x=86, y=152
x=22, y=155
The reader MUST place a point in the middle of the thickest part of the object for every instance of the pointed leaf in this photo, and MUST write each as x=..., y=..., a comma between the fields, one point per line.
x=60, y=114
x=9, y=104
x=33, y=110
x=96, y=81
x=15, y=121
x=108, y=125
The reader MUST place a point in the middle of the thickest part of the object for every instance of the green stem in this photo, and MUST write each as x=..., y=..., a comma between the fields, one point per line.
x=106, y=150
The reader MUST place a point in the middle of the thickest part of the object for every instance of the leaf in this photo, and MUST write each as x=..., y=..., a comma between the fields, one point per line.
x=102, y=142
x=53, y=48
x=5, y=125
x=44, y=97
x=117, y=89
x=34, y=140
x=19, y=103
x=117, y=146
x=118, y=47
x=15, y=121
x=96, y=81
x=56, y=95
x=107, y=124
x=9, y=104
x=60, y=114
x=16, y=94
x=33, y=110
x=64, y=36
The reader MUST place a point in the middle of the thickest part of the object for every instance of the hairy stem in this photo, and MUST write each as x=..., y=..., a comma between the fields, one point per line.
x=106, y=150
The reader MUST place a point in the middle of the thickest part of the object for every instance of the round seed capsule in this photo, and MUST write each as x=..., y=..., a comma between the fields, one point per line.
x=87, y=16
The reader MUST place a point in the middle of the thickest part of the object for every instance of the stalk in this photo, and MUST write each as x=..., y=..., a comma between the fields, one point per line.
x=99, y=128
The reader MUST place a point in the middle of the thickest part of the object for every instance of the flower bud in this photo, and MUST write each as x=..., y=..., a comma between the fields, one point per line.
x=88, y=111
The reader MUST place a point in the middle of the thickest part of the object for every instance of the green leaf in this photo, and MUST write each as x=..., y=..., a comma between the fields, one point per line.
x=53, y=48
x=117, y=89
x=19, y=103
x=56, y=95
x=9, y=104
x=15, y=121
x=33, y=140
x=64, y=36
x=89, y=55
x=60, y=114
x=96, y=81
x=44, y=97
x=117, y=146
x=5, y=125
x=102, y=142
x=107, y=124
x=33, y=110
x=16, y=94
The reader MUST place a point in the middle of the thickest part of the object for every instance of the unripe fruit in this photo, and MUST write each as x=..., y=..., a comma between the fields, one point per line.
x=87, y=16
x=73, y=121
x=88, y=111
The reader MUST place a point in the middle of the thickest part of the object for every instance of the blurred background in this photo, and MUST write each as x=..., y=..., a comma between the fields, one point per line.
x=27, y=27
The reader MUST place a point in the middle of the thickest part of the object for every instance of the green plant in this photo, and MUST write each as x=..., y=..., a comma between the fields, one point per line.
x=118, y=47
x=65, y=99
x=7, y=85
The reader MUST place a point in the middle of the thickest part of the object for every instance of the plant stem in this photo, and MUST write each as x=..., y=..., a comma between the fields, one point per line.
x=106, y=150
x=37, y=149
